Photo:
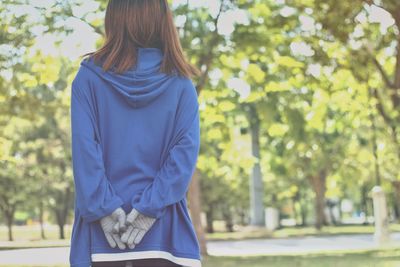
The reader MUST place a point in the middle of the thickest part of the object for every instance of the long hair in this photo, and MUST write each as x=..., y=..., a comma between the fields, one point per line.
x=141, y=23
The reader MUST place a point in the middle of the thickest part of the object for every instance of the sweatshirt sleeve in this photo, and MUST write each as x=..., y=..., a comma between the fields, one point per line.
x=172, y=180
x=95, y=197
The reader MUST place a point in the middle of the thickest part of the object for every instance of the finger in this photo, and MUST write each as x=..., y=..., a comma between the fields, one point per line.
x=110, y=241
x=116, y=228
x=131, y=246
x=132, y=216
x=121, y=222
x=118, y=241
x=132, y=236
x=139, y=236
x=125, y=236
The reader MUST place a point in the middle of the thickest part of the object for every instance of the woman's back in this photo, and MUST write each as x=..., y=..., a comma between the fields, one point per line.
x=146, y=127
x=135, y=141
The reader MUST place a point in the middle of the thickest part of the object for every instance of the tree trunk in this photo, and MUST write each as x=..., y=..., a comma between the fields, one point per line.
x=62, y=210
x=303, y=213
x=340, y=211
x=319, y=185
x=229, y=224
x=194, y=188
x=227, y=215
x=41, y=219
x=374, y=143
x=9, y=214
x=59, y=223
x=364, y=201
x=256, y=183
x=195, y=210
x=332, y=215
x=210, y=225
x=294, y=210
x=10, y=219
x=61, y=229
x=396, y=192
x=242, y=216
x=303, y=209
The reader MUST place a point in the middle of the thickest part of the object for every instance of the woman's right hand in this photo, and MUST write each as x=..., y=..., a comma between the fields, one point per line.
x=109, y=224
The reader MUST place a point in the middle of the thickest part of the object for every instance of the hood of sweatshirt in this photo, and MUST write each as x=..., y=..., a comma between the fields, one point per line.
x=140, y=84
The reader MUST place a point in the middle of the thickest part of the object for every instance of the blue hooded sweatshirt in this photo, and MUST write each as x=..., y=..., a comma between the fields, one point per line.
x=135, y=142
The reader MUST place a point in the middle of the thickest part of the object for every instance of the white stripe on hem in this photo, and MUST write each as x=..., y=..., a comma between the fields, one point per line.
x=132, y=255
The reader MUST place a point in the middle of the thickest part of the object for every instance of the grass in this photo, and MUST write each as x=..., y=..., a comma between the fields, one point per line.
x=358, y=259
x=260, y=232
x=373, y=258
x=32, y=232
x=28, y=236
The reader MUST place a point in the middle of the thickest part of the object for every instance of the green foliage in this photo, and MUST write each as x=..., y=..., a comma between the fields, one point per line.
x=304, y=66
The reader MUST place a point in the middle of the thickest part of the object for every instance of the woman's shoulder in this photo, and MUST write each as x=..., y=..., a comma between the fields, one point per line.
x=188, y=96
x=188, y=87
x=84, y=74
x=83, y=78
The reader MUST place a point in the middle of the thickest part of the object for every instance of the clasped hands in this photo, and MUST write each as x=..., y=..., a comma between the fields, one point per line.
x=122, y=229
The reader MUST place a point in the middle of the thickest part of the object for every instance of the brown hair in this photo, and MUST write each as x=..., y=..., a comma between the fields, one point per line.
x=141, y=23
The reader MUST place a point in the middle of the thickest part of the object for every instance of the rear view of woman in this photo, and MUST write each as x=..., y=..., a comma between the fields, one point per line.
x=135, y=141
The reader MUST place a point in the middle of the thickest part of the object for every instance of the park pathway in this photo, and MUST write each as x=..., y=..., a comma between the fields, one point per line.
x=294, y=245
x=248, y=247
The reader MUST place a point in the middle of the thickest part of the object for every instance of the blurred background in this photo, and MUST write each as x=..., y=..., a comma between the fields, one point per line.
x=300, y=129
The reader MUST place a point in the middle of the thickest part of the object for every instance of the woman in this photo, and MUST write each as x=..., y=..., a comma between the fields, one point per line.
x=135, y=141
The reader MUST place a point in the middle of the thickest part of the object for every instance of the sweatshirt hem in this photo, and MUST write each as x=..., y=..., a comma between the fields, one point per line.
x=81, y=264
x=184, y=259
